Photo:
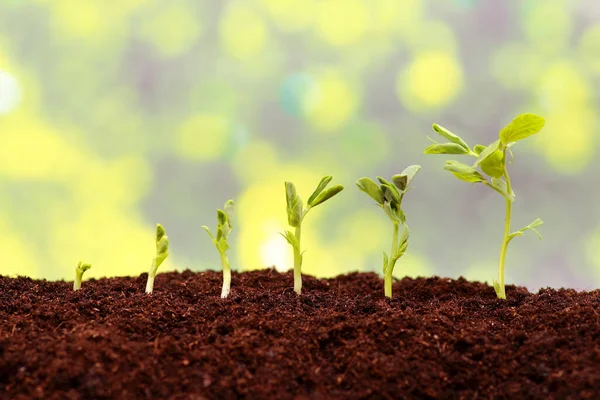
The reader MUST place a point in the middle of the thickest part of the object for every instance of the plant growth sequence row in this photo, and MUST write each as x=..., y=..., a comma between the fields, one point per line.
x=489, y=168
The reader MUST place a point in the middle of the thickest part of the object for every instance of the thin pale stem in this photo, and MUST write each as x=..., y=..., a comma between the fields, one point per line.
x=391, y=262
x=298, y=262
x=501, y=291
x=77, y=282
x=226, y=276
x=151, y=276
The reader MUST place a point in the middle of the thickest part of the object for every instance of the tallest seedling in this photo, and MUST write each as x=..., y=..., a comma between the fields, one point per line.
x=491, y=160
x=296, y=213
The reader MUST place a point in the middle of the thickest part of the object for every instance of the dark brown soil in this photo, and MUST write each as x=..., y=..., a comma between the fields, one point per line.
x=437, y=339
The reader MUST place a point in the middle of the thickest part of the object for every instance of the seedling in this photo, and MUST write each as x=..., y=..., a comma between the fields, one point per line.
x=296, y=213
x=389, y=197
x=224, y=226
x=492, y=160
x=162, y=252
x=81, y=268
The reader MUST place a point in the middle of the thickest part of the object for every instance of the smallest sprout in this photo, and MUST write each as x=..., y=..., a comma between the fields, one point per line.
x=162, y=252
x=81, y=268
x=224, y=227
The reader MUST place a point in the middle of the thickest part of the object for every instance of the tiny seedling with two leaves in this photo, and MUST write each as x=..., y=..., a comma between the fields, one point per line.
x=79, y=270
x=162, y=252
x=492, y=161
x=224, y=227
x=389, y=197
x=296, y=211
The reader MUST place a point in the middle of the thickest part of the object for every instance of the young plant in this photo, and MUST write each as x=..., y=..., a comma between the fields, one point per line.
x=389, y=197
x=224, y=226
x=81, y=268
x=296, y=213
x=492, y=160
x=162, y=252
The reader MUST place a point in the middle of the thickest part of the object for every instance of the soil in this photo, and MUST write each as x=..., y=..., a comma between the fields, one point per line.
x=341, y=339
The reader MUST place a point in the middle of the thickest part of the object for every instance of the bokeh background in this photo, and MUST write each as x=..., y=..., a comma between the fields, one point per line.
x=115, y=115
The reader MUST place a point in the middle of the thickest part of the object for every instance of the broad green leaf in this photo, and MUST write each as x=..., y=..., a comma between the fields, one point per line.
x=445, y=148
x=295, y=212
x=290, y=194
x=464, y=172
x=404, y=179
x=531, y=227
x=487, y=152
x=501, y=187
x=327, y=194
x=451, y=137
x=291, y=238
x=371, y=188
x=521, y=127
x=207, y=229
x=494, y=164
x=478, y=149
x=322, y=185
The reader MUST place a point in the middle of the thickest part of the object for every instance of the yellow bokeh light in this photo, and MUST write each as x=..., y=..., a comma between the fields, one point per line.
x=172, y=29
x=432, y=80
x=342, y=22
x=548, y=25
x=243, y=31
x=431, y=36
x=203, y=137
x=333, y=103
x=517, y=75
x=20, y=257
x=589, y=48
x=255, y=161
x=291, y=15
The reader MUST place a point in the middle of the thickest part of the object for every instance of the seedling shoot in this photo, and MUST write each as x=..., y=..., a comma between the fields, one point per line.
x=162, y=252
x=224, y=227
x=296, y=213
x=491, y=161
x=389, y=197
x=79, y=270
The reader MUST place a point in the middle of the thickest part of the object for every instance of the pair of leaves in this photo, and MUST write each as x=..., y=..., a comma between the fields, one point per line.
x=295, y=208
x=162, y=245
x=456, y=146
x=82, y=267
x=224, y=227
x=294, y=205
x=531, y=227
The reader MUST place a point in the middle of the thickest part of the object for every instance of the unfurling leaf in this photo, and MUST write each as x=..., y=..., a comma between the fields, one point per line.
x=464, y=172
x=228, y=208
x=451, y=136
x=207, y=229
x=531, y=227
x=295, y=212
x=521, y=127
x=322, y=185
x=403, y=243
x=327, y=194
x=222, y=218
x=390, y=193
x=501, y=187
x=445, y=148
x=160, y=232
x=487, y=152
x=290, y=195
x=371, y=188
x=82, y=267
x=291, y=238
x=494, y=164
x=478, y=149
x=403, y=180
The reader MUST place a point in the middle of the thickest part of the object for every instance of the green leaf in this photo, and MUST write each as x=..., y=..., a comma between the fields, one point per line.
x=295, y=212
x=501, y=187
x=387, y=208
x=207, y=229
x=487, y=152
x=478, y=149
x=385, y=262
x=451, y=136
x=291, y=239
x=82, y=267
x=322, y=185
x=464, y=172
x=403, y=243
x=222, y=219
x=521, y=127
x=445, y=148
x=371, y=188
x=390, y=193
x=290, y=194
x=228, y=208
x=160, y=232
x=531, y=227
x=403, y=179
x=493, y=165
x=327, y=194
x=384, y=182
x=223, y=246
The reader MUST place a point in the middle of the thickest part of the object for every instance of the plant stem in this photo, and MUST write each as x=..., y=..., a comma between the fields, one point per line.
x=500, y=291
x=77, y=282
x=226, y=276
x=151, y=276
x=391, y=262
x=298, y=262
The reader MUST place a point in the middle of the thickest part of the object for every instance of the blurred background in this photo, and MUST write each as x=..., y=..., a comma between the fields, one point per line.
x=117, y=115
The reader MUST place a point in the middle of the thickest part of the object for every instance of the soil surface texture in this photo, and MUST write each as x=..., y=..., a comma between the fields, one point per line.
x=341, y=339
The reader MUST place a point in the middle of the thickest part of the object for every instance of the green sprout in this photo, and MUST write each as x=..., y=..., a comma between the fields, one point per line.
x=296, y=213
x=492, y=160
x=224, y=226
x=81, y=268
x=389, y=197
x=162, y=252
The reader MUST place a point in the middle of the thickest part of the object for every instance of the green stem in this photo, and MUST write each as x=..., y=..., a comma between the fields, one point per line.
x=391, y=262
x=298, y=261
x=151, y=276
x=226, y=276
x=77, y=282
x=500, y=290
